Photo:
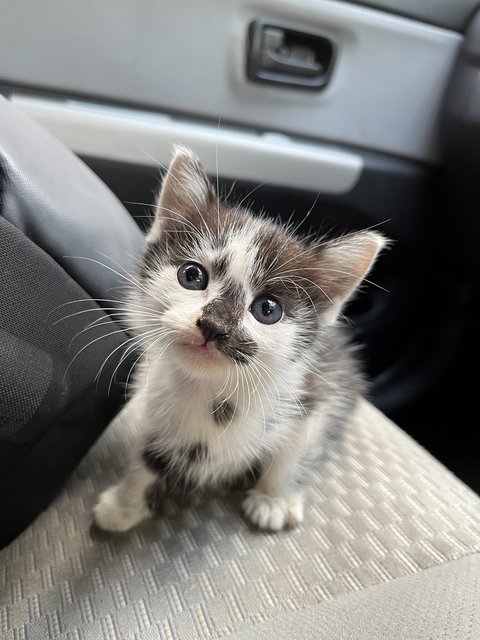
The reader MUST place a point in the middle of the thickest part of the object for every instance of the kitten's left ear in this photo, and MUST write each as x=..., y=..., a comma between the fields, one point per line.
x=344, y=263
x=185, y=194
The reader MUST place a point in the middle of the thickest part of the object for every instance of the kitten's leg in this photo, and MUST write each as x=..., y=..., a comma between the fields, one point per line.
x=277, y=500
x=124, y=505
x=274, y=503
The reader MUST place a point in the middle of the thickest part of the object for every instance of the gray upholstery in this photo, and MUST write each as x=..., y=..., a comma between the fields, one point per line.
x=63, y=207
x=54, y=339
x=389, y=549
x=441, y=602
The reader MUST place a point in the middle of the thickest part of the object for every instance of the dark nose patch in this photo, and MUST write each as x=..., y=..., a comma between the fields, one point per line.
x=220, y=321
x=211, y=330
x=220, y=316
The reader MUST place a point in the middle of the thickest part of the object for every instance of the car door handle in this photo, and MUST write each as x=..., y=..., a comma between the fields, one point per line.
x=287, y=62
x=285, y=55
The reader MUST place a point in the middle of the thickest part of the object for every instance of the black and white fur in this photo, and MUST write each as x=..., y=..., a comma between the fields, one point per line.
x=257, y=397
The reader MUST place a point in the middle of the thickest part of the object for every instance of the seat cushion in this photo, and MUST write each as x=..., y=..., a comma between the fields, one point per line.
x=440, y=602
x=382, y=513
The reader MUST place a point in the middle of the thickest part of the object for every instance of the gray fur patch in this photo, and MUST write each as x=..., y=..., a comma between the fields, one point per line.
x=223, y=413
x=156, y=461
x=197, y=452
x=219, y=267
x=155, y=496
x=311, y=394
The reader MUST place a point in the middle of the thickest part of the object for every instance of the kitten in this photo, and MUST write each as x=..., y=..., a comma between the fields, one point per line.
x=245, y=366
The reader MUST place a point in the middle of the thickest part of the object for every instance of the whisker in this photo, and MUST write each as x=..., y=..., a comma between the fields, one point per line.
x=135, y=341
x=345, y=273
x=216, y=169
x=158, y=357
x=127, y=313
x=106, y=335
x=296, y=228
x=235, y=389
x=129, y=350
x=250, y=193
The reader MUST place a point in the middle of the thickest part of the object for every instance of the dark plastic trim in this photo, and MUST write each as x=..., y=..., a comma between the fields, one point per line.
x=319, y=41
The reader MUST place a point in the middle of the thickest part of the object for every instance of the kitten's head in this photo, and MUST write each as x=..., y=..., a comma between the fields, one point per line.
x=220, y=287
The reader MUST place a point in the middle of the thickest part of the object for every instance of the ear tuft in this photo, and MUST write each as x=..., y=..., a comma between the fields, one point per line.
x=344, y=263
x=185, y=193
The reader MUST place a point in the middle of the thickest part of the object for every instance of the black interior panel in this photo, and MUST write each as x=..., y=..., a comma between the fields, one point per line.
x=461, y=146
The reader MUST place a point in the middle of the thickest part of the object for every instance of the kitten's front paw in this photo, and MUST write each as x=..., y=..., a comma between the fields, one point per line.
x=273, y=512
x=110, y=515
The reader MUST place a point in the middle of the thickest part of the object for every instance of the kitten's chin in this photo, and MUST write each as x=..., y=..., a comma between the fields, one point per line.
x=201, y=359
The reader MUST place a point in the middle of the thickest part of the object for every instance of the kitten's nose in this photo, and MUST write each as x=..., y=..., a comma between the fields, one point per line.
x=211, y=330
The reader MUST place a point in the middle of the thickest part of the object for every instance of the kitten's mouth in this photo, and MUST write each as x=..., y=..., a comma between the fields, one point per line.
x=206, y=350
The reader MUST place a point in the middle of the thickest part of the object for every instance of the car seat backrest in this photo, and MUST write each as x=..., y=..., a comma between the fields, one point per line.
x=52, y=407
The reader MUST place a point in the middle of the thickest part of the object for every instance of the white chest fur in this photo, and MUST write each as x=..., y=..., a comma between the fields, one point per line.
x=206, y=430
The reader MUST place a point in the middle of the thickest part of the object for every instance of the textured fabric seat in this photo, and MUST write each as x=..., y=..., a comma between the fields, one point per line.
x=389, y=549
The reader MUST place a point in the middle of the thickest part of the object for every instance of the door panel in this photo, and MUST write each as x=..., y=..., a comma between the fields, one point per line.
x=137, y=137
x=190, y=58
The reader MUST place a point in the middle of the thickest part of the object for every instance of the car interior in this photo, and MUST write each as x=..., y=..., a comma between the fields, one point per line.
x=337, y=115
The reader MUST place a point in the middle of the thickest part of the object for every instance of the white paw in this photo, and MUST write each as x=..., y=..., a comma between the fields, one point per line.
x=110, y=514
x=273, y=512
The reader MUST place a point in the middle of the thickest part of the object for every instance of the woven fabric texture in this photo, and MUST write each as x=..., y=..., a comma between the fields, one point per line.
x=380, y=509
x=440, y=603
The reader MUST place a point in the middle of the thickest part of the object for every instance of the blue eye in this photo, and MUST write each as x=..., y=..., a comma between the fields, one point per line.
x=266, y=310
x=192, y=276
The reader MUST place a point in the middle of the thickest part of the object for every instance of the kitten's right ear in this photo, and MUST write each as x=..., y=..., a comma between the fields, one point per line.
x=343, y=264
x=185, y=194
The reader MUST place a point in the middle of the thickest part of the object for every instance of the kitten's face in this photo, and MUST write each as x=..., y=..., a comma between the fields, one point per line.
x=216, y=302
x=221, y=288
